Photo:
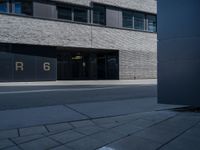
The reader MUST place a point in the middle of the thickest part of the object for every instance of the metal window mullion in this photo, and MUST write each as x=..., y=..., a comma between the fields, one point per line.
x=72, y=13
x=8, y=6
x=146, y=23
x=12, y=7
x=90, y=14
x=133, y=20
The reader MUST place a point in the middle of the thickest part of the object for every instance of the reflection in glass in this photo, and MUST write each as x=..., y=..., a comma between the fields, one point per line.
x=80, y=14
x=99, y=14
x=151, y=23
x=139, y=21
x=127, y=19
x=3, y=7
x=17, y=8
x=64, y=13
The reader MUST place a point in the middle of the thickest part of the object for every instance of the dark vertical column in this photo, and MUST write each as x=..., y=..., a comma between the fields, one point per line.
x=179, y=52
x=6, y=58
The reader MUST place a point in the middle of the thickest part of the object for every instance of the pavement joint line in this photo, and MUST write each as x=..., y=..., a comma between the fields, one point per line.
x=107, y=129
x=18, y=132
x=59, y=90
x=46, y=128
x=15, y=143
x=178, y=135
x=170, y=109
x=136, y=132
x=110, y=116
x=9, y=145
x=53, y=140
x=67, y=106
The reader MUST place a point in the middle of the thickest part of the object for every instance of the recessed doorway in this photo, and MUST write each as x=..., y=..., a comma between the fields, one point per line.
x=87, y=64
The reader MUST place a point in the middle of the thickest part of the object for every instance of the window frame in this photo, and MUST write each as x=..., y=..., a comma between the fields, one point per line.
x=132, y=19
x=6, y=4
x=80, y=8
x=103, y=7
x=64, y=7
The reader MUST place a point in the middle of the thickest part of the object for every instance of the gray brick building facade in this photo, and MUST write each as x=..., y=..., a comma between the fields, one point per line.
x=137, y=49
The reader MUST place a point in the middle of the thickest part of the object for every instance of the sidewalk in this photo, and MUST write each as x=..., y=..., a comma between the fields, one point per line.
x=86, y=82
x=138, y=124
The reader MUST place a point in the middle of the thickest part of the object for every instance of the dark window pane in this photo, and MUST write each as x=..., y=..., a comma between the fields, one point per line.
x=139, y=21
x=3, y=7
x=27, y=8
x=127, y=19
x=80, y=14
x=99, y=14
x=152, y=23
x=65, y=13
x=18, y=8
x=23, y=7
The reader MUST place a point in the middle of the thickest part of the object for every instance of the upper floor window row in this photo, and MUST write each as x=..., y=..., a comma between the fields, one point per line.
x=99, y=14
x=139, y=21
x=79, y=14
x=16, y=6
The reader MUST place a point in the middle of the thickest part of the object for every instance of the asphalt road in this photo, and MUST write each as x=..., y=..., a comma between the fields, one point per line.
x=35, y=96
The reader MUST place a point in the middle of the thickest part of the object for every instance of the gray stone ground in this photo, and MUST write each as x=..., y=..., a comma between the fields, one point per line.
x=134, y=124
x=151, y=127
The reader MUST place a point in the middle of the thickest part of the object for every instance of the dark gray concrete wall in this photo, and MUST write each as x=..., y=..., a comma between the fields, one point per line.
x=27, y=63
x=179, y=51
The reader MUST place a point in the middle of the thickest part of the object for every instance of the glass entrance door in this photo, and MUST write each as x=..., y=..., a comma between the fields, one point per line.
x=87, y=65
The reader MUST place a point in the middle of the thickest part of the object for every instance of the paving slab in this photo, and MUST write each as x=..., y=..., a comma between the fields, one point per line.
x=132, y=143
x=87, y=130
x=24, y=139
x=106, y=122
x=66, y=136
x=107, y=136
x=40, y=144
x=32, y=130
x=83, y=123
x=5, y=143
x=63, y=147
x=12, y=148
x=86, y=143
x=59, y=127
x=126, y=129
x=157, y=135
x=183, y=143
x=37, y=116
x=113, y=108
x=8, y=133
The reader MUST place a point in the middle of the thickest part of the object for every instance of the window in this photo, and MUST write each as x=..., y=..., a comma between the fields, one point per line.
x=3, y=7
x=64, y=13
x=151, y=23
x=17, y=8
x=99, y=14
x=127, y=19
x=80, y=14
x=22, y=7
x=139, y=21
